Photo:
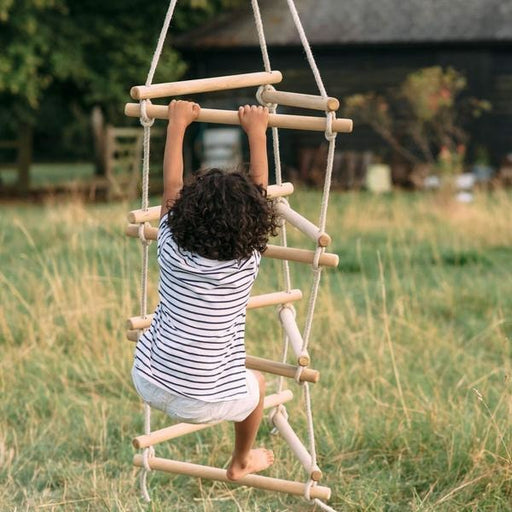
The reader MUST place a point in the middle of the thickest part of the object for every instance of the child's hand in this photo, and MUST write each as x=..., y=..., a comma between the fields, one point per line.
x=253, y=119
x=182, y=113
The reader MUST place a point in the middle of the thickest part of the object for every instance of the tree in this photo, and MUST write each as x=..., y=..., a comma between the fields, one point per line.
x=423, y=120
x=60, y=58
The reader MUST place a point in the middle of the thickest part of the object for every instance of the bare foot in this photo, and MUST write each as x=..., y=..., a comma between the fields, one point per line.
x=257, y=460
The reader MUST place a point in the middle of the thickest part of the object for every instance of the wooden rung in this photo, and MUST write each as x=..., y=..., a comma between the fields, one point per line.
x=150, y=232
x=263, y=365
x=218, y=83
x=139, y=322
x=272, y=251
x=290, y=326
x=133, y=335
x=294, y=99
x=207, y=115
x=274, y=298
x=153, y=213
x=283, y=369
x=300, y=255
x=296, y=445
x=211, y=473
x=301, y=223
x=181, y=429
x=257, y=301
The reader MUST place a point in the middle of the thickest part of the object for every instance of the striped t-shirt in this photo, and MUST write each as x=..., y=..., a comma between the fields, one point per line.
x=195, y=344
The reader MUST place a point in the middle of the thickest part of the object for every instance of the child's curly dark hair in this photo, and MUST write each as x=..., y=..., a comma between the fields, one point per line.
x=222, y=216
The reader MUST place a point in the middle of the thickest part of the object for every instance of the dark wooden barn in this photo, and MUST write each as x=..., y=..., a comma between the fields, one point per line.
x=364, y=45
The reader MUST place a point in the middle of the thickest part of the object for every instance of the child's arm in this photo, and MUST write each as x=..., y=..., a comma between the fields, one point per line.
x=254, y=121
x=181, y=114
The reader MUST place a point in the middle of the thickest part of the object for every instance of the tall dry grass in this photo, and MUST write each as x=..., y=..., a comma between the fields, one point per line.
x=412, y=336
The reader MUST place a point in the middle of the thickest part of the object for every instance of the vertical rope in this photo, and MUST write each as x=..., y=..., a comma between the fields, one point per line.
x=161, y=40
x=317, y=270
x=277, y=166
x=307, y=48
x=146, y=122
x=261, y=34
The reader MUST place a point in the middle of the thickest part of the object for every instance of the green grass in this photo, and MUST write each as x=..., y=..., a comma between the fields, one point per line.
x=51, y=174
x=412, y=337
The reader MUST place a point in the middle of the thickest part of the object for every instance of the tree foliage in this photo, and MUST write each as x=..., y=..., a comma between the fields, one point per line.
x=424, y=119
x=88, y=52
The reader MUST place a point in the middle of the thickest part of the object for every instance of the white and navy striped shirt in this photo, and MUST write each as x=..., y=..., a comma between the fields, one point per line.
x=195, y=344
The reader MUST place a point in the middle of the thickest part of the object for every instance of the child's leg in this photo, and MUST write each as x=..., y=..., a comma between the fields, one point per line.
x=246, y=460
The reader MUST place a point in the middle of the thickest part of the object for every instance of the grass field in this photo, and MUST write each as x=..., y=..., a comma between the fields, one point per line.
x=412, y=337
x=52, y=174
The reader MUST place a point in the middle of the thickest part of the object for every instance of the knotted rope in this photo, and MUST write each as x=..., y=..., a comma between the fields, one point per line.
x=317, y=270
x=147, y=122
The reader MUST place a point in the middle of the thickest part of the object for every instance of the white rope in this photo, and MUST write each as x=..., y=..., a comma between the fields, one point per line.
x=261, y=35
x=147, y=122
x=323, y=505
x=277, y=165
x=307, y=48
x=317, y=270
x=161, y=40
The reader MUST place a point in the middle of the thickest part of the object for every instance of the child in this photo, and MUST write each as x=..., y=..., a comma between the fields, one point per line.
x=190, y=363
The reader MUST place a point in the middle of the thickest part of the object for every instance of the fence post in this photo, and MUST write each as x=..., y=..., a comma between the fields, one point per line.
x=24, y=157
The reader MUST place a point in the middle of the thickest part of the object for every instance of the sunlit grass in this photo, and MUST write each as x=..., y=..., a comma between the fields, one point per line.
x=412, y=337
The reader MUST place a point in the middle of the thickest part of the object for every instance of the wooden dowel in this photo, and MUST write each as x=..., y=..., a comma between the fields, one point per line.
x=263, y=365
x=294, y=99
x=296, y=445
x=153, y=213
x=300, y=255
x=290, y=326
x=150, y=232
x=139, y=322
x=272, y=251
x=139, y=216
x=283, y=369
x=301, y=223
x=274, y=298
x=256, y=301
x=181, y=429
x=133, y=335
x=230, y=117
x=218, y=83
x=252, y=480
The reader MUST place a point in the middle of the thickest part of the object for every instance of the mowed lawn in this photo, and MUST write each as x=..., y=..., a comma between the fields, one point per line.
x=412, y=336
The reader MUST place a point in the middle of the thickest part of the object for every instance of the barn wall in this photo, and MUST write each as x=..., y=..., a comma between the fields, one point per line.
x=349, y=70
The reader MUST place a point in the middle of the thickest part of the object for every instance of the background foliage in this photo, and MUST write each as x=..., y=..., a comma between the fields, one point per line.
x=61, y=57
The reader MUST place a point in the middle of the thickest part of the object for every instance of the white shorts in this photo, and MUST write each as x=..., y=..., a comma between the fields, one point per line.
x=191, y=410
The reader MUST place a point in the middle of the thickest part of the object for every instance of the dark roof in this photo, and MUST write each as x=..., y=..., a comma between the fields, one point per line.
x=329, y=22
